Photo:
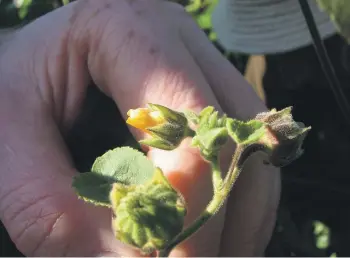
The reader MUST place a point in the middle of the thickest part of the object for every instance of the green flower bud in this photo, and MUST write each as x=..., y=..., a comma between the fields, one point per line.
x=147, y=216
x=284, y=137
x=211, y=133
x=210, y=142
x=167, y=127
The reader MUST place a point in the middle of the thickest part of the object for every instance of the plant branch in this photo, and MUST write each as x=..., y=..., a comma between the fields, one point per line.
x=216, y=175
x=241, y=154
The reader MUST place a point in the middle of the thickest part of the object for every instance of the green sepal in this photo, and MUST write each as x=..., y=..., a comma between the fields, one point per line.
x=211, y=141
x=213, y=119
x=209, y=119
x=206, y=111
x=191, y=116
x=168, y=135
x=171, y=132
x=118, y=192
x=158, y=143
x=222, y=120
x=245, y=132
x=170, y=115
x=211, y=133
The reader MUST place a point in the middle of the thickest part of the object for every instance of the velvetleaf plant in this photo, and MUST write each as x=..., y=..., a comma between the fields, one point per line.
x=148, y=213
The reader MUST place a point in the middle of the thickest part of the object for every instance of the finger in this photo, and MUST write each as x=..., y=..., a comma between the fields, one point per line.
x=162, y=72
x=175, y=71
x=252, y=206
x=38, y=91
x=37, y=204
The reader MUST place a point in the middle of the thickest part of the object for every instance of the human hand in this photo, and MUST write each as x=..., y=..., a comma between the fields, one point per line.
x=136, y=52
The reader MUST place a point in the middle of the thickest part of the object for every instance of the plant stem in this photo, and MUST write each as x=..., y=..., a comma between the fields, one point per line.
x=197, y=224
x=216, y=175
x=242, y=153
x=189, y=132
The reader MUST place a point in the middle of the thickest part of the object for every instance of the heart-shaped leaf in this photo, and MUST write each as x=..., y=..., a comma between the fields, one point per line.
x=123, y=165
x=126, y=165
x=245, y=132
x=93, y=188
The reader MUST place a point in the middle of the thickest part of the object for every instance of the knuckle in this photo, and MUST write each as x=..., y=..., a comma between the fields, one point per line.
x=90, y=19
x=183, y=90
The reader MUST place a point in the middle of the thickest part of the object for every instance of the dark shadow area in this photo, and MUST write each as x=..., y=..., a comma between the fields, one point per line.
x=315, y=187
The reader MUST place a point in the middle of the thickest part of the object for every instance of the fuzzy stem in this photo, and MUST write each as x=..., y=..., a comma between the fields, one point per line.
x=189, y=132
x=216, y=175
x=242, y=153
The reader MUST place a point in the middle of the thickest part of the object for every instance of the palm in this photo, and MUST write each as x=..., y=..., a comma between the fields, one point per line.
x=57, y=223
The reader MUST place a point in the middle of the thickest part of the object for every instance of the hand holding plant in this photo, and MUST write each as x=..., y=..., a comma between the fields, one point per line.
x=148, y=213
x=60, y=55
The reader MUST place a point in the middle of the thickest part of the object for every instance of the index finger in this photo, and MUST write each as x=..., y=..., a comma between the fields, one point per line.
x=146, y=62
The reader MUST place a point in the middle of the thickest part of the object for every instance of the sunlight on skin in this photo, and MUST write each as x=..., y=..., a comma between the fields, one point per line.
x=59, y=54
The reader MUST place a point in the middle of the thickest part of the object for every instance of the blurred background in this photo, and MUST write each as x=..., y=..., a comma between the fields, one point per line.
x=313, y=217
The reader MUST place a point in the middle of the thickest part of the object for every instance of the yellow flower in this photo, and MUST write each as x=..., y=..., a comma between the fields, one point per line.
x=143, y=118
x=166, y=126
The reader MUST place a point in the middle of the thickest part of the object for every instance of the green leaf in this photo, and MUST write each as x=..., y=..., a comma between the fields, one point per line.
x=209, y=119
x=212, y=139
x=191, y=116
x=193, y=6
x=93, y=188
x=125, y=165
x=210, y=142
x=23, y=8
x=210, y=133
x=245, y=132
x=121, y=165
x=322, y=235
x=339, y=12
x=207, y=111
